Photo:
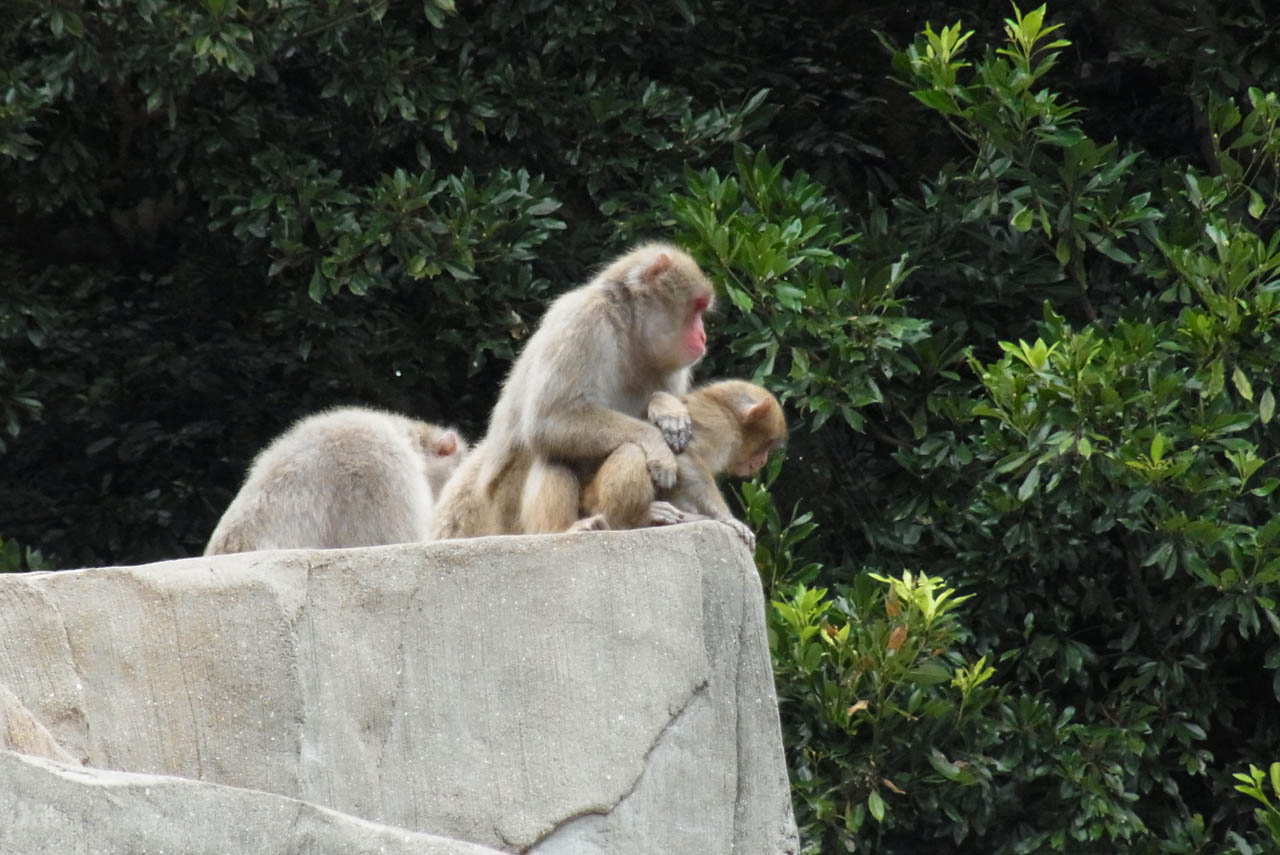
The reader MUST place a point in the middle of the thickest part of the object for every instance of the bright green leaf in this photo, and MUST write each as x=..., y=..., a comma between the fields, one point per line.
x=1022, y=219
x=1029, y=484
x=1242, y=384
x=875, y=804
x=1256, y=204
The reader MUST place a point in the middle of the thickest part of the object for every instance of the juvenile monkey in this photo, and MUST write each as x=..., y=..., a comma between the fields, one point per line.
x=349, y=476
x=735, y=426
x=605, y=357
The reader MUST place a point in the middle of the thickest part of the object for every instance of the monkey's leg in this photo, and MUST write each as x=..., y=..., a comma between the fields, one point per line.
x=550, y=500
x=665, y=513
x=621, y=491
x=596, y=522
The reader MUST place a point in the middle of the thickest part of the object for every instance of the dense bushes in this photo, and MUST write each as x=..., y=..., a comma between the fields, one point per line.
x=1022, y=556
x=1049, y=380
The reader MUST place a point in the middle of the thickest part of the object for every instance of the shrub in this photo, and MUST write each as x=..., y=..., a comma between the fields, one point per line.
x=1047, y=379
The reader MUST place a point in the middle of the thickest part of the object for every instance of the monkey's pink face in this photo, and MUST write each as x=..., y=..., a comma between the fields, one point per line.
x=694, y=341
x=751, y=465
x=752, y=460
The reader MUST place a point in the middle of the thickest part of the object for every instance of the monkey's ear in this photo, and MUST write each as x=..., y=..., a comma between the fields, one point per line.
x=445, y=444
x=756, y=411
x=660, y=265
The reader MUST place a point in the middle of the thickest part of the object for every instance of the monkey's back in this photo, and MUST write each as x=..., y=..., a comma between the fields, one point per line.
x=342, y=478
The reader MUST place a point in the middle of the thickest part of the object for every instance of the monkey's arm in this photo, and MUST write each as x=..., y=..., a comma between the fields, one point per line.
x=696, y=491
x=671, y=416
x=593, y=432
x=698, y=496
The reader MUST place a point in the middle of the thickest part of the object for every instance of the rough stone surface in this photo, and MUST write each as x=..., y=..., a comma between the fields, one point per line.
x=20, y=731
x=57, y=809
x=564, y=695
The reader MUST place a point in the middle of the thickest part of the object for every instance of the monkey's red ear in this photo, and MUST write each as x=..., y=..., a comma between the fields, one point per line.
x=660, y=265
x=446, y=444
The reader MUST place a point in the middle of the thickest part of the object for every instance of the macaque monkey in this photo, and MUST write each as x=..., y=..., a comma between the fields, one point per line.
x=349, y=476
x=604, y=369
x=735, y=426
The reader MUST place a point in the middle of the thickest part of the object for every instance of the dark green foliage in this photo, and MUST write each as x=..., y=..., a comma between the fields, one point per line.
x=1053, y=373
x=224, y=216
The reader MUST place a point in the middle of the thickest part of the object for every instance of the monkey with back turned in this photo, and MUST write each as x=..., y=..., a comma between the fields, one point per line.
x=350, y=476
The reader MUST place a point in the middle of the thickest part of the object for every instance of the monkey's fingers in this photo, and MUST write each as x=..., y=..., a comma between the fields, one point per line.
x=676, y=430
x=661, y=464
x=671, y=416
x=745, y=534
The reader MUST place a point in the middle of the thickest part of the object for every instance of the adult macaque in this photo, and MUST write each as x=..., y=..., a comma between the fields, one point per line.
x=605, y=357
x=350, y=476
x=735, y=426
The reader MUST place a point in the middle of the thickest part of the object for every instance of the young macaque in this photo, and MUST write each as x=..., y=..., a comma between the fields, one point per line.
x=350, y=476
x=604, y=369
x=735, y=426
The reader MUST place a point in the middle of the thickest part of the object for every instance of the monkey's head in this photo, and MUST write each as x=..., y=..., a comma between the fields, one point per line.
x=762, y=427
x=444, y=450
x=675, y=294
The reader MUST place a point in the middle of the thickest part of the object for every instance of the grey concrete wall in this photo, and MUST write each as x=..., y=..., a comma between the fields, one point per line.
x=586, y=693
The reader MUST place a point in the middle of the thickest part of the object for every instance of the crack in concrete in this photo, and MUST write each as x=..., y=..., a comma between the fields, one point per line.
x=698, y=691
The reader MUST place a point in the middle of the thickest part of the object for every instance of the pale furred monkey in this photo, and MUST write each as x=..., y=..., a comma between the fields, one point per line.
x=735, y=426
x=349, y=476
x=605, y=357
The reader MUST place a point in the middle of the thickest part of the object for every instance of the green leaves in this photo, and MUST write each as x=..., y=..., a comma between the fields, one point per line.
x=1254, y=784
x=874, y=668
x=825, y=318
x=416, y=225
x=65, y=21
x=435, y=11
x=1025, y=34
x=1107, y=484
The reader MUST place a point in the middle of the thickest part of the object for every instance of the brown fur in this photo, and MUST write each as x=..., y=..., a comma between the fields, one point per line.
x=579, y=390
x=735, y=426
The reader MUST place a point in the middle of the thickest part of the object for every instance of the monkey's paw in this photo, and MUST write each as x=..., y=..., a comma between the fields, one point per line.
x=665, y=513
x=662, y=468
x=595, y=523
x=677, y=431
x=671, y=417
x=744, y=534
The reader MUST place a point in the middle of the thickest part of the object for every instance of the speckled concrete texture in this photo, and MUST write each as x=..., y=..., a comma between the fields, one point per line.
x=604, y=692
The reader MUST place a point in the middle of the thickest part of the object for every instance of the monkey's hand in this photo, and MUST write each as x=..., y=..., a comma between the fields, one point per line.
x=660, y=462
x=670, y=415
x=745, y=534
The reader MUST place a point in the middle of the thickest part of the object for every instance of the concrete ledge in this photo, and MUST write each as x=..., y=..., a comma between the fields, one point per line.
x=585, y=693
x=57, y=808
